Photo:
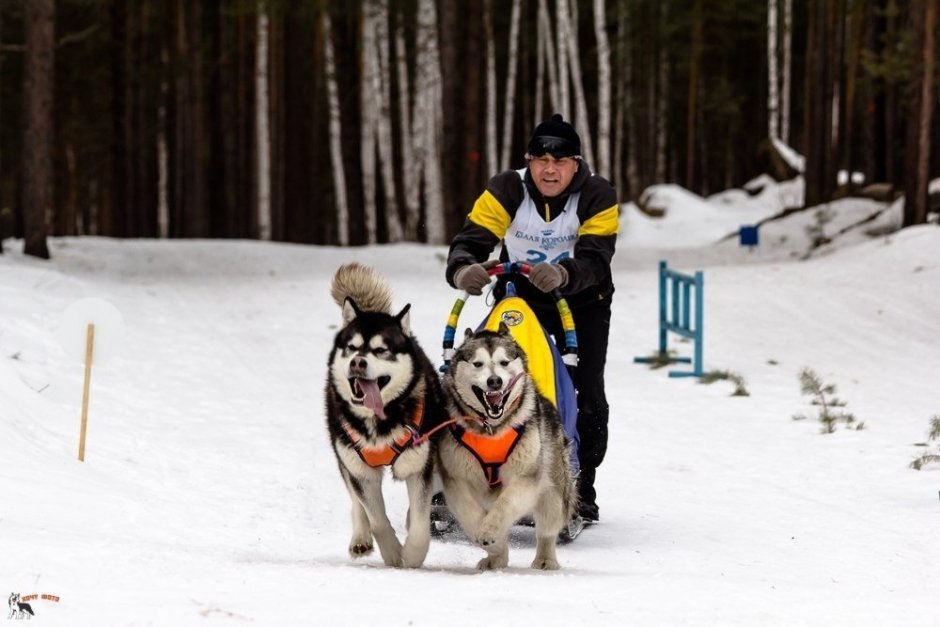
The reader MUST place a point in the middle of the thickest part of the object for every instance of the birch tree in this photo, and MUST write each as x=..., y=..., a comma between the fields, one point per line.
x=661, y=105
x=562, y=106
x=492, y=147
x=773, y=98
x=603, y=90
x=427, y=128
x=383, y=122
x=411, y=167
x=336, y=139
x=552, y=62
x=512, y=62
x=570, y=42
x=367, y=95
x=262, y=126
x=787, y=71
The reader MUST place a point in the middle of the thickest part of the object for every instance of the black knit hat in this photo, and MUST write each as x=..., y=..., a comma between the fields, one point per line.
x=555, y=137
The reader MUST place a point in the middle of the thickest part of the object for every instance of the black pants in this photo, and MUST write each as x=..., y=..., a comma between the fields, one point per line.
x=592, y=324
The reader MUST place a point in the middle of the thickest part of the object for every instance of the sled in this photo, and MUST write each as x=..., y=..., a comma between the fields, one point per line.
x=549, y=366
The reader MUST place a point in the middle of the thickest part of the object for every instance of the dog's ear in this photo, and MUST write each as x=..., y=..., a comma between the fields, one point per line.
x=503, y=328
x=468, y=333
x=350, y=310
x=404, y=318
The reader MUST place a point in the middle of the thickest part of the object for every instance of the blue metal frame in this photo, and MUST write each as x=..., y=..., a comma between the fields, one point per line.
x=677, y=292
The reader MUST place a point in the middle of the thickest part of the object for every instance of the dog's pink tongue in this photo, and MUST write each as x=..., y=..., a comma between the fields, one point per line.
x=373, y=397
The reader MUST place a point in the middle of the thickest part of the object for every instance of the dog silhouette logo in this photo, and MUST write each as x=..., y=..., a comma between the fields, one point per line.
x=18, y=609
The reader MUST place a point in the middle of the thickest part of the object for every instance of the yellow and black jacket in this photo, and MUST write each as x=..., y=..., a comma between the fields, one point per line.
x=589, y=277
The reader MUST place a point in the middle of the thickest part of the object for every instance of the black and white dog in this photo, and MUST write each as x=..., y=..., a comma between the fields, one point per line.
x=382, y=394
x=508, y=456
x=18, y=609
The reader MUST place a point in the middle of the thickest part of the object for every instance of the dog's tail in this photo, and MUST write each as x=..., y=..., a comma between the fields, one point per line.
x=368, y=289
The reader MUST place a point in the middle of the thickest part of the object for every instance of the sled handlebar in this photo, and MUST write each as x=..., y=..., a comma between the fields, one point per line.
x=569, y=352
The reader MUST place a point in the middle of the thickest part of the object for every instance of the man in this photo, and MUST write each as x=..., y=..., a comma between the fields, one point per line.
x=563, y=220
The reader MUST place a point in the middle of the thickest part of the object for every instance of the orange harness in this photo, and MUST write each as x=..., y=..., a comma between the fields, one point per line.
x=385, y=455
x=491, y=451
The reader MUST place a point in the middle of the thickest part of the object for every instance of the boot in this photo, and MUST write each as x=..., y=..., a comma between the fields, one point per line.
x=587, y=497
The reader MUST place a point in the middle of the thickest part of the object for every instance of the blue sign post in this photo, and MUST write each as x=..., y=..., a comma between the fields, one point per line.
x=749, y=235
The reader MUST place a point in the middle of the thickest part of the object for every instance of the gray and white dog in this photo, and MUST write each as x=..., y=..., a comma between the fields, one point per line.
x=508, y=456
x=382, y=393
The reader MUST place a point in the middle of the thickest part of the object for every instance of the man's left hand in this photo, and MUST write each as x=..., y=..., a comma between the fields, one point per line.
x=548, y=276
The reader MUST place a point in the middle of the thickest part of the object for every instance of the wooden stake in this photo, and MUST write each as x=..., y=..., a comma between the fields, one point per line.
x=89, y=353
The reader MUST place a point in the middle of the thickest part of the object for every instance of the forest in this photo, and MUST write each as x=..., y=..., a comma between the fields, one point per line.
x=368, y=121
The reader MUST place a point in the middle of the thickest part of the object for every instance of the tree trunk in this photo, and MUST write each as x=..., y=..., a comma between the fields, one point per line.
x=383, y=121
x=561, y=35
x=855, y=35
x=492, y=148
x=463, y=168
x=509, y=104
x=603, y=166
x=548, y=49
x=262, y=126
x=38, y=94
x=345, y=27
x=662, y=104
x=923, y=19
x=773, y=97
x=820, y=178
x=367, y=97
x=787, y=71
x=336, y=138
x=695, y=62
x=428, y=90
x=581, y=110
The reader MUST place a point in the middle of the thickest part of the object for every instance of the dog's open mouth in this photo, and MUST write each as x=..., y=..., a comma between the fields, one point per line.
x=368, y=393
x=494, y=401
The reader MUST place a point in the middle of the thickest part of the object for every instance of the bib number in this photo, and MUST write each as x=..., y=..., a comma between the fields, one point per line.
x=537, y=256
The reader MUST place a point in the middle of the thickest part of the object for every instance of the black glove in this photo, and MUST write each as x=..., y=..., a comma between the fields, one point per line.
x=548, y=276
x=474, y=277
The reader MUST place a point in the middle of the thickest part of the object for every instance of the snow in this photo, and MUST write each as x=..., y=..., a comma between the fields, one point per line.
x=209, y=494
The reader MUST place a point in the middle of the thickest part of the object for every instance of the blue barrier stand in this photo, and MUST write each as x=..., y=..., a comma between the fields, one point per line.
x=677, y=294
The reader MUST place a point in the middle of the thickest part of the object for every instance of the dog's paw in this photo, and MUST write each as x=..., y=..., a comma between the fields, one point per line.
x=493, y=562
x=545, y=564
x=412, y=555
x=360, y=549
x=489, y=534
x=391, y=553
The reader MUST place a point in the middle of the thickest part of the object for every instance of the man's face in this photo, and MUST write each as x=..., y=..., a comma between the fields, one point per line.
x=552, y=176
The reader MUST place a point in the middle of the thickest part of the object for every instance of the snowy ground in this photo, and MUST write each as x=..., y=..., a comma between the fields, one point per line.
x=209, y=494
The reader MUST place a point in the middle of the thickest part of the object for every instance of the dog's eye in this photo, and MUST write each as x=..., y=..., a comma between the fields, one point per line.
x=352, y=348
x=478, y=364
x=504, y=363
x=381, y=350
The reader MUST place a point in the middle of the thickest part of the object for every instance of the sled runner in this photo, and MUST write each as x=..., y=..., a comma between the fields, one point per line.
x=549, y=366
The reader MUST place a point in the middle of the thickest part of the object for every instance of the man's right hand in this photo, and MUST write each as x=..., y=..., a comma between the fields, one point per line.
x=474, y=277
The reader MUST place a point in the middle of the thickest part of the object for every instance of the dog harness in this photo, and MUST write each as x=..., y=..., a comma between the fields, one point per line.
x=386, y=454
x=491, y=451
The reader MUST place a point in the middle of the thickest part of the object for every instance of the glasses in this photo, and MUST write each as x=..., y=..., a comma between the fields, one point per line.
x=551, y=145
x=546, y=160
